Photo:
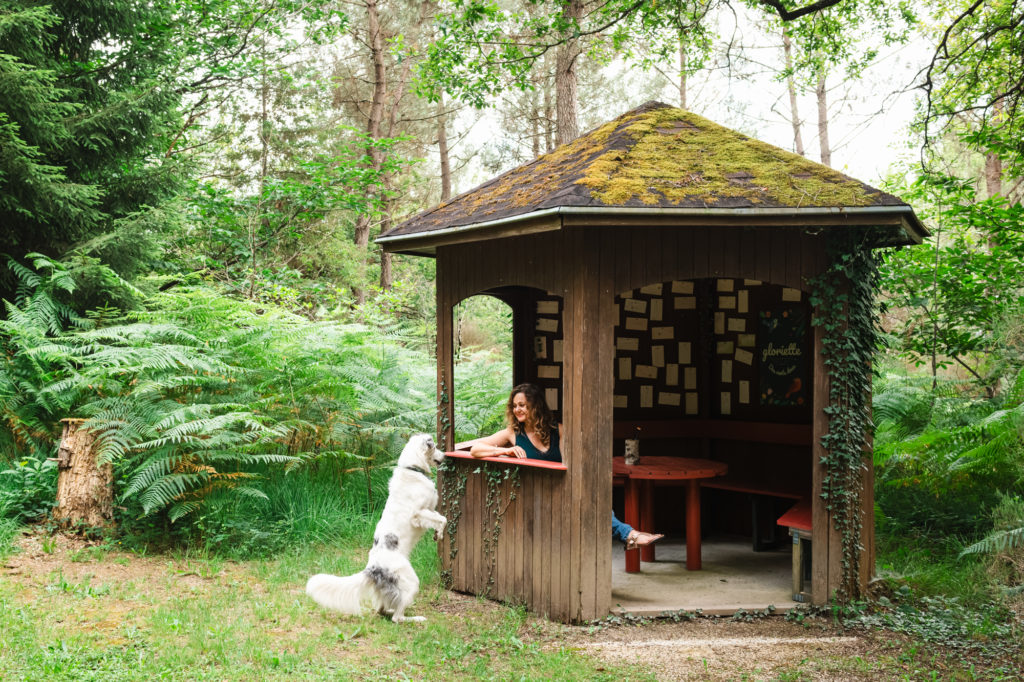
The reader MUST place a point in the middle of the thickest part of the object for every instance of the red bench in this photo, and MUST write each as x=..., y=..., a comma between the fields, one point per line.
x=798, y=520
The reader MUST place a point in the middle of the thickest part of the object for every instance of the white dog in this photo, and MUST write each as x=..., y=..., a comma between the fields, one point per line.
x=388, y=584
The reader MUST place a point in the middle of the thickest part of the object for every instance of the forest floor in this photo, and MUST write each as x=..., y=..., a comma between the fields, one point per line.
x=77, y=610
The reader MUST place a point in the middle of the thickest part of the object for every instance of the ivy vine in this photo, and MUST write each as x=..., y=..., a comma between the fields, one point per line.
x=496, y=513
x=843, y=300
x=453, y=490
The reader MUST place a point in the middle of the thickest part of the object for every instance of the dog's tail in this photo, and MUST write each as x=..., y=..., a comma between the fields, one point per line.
x=351, y=595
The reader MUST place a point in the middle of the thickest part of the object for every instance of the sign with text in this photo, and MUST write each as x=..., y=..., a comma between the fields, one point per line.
x=782, y=356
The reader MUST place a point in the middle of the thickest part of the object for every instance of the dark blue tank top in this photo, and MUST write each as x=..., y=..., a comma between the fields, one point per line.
x=553, y=454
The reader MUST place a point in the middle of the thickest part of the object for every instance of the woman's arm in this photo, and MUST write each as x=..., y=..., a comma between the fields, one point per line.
x=498, y=445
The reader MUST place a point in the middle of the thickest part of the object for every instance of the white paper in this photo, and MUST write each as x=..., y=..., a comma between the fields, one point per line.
x=744, y=392
x=547, y=307
x=686, y=302
x=646, y=372
x=548, y=371
x=744, y=356
x=658, y=356
x=684, y=352
x=627, y=343
x=790, y=294
x=652, y=289
x=724, y=348
x=672, y=374
x=745, y=340
x=727, y=302
x=547, y=324
x=646, y=396
x=668, y=398
x=551, y=398
x=743, y=301
x=726, y=371
x=724, y=285
x=635, y=305
x=737, y=324
x=691, y=403
x=636, y=323
x=726, y=402
x=625, y=369
x=662, y=332
x=620, y=401
x=540, y=347
x=751, y=282
x=556, y=350
x=656, y=309
x=682, y=287
x=719, y=323
x=690, y=378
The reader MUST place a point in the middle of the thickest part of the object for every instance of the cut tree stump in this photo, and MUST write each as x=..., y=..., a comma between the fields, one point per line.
x=85, y=489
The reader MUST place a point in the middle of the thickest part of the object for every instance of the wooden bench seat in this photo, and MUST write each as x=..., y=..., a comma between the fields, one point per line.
x=798, y=520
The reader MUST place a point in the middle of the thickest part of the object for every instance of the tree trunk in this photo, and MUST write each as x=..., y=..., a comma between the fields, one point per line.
x=85, y=489
x=682, y=71
x=798, y=140
x=442, y=150
x=826, y=150
x=566, y=100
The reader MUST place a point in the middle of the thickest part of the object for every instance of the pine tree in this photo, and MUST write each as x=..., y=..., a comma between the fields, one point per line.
x=87, y=111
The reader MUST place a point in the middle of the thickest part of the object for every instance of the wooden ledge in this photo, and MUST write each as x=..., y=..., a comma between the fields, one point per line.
x=531, y=463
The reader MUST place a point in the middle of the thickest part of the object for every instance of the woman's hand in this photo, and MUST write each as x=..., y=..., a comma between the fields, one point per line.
x=515, y=451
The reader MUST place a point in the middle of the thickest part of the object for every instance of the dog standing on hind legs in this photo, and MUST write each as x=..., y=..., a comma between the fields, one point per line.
x=388, y=584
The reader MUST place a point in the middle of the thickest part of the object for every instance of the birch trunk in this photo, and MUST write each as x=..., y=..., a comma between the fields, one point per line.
x=826, y=150
x=566, y=81
x=798, y=140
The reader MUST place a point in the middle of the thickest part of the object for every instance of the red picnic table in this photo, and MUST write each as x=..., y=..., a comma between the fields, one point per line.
x=639, y=484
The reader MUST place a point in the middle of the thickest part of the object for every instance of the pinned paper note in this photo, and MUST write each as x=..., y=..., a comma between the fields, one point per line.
x=790, y=294
x=726, y=371
x=548, y=371
x=652, y=289
x=551, y=398
x=646, y=396
x=682, y=287
x=690, y=378
x=743, y=301
x=656, y=309
x=636, y=323
x=691, y=403
x=744, y=356
x=744, y=392
x=635, y=305
x=751, y=282
x=556, y=350
x=646, y=372
x=672, y=374
x=547, y=324
x=737, y=324
x=627, y=343
x=625, y=369
x=724, y=285
x=547, y=307
x=540, y=347
x=727, y=302
x=684, y=352
x=620, y=401
x=726, y=402
x=686, y=303
x=668, y=398
x=723, y=348
x=746, y=340
x=658, y=356
x=662, y=332
x=719, y=323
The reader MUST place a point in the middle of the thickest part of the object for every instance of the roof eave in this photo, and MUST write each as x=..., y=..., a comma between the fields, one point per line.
x=546, y=220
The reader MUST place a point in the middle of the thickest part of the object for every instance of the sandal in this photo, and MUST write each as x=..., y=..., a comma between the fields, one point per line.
x=639, y=539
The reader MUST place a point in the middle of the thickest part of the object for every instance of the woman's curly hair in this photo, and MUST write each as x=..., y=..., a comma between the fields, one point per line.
x=539, y=417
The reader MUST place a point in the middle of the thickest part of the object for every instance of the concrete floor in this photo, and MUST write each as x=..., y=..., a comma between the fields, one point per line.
x=733, y=577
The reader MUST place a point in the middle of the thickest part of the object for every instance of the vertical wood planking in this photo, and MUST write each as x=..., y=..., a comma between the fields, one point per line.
x=701, y=239
x=602, y=456
x=777, y=263
x=748, y=253
x=762, y=267
x=716, y=249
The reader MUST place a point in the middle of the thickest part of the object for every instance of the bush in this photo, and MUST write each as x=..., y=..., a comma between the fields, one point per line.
x=28, y=490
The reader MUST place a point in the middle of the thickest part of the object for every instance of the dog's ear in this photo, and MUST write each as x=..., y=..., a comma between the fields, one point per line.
x=428, y=444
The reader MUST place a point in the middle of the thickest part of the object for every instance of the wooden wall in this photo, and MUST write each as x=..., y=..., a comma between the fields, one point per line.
x=552, y=551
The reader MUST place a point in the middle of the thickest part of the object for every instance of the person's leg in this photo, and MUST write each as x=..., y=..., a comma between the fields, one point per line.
x=620, y=530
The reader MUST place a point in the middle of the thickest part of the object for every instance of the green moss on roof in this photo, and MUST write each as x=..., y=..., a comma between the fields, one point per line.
x=678, y=155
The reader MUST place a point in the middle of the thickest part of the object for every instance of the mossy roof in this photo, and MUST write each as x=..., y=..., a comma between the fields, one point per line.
x=654, y=156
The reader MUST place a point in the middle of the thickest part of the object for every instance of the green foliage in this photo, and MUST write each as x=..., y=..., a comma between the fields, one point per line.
x=942, y=460
x=28, y=489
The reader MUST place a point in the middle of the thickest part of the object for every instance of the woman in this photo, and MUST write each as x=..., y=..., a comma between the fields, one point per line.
x=532, y=433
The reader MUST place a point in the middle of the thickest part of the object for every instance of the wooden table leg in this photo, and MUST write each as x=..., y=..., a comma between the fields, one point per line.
x=647, y=518
x=692, y=525
x=633, y=519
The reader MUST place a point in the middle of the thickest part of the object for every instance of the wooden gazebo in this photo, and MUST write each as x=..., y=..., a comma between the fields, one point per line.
x=658, y=270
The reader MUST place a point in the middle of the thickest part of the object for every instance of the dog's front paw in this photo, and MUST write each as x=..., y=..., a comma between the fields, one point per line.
x=439, y=534
x=408, y=619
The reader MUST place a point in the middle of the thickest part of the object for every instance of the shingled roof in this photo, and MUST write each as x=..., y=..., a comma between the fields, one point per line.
x=656, y=159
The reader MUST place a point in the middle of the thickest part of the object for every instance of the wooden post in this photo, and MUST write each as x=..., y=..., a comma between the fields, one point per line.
x=85, y=490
